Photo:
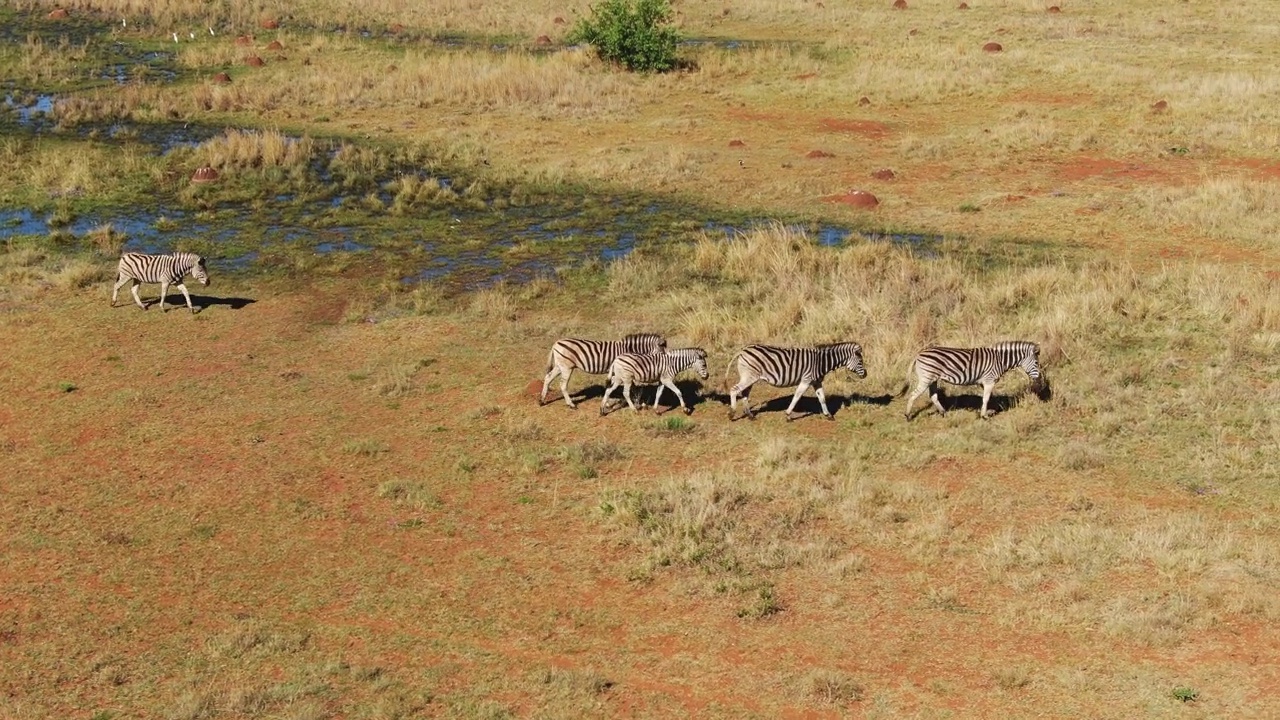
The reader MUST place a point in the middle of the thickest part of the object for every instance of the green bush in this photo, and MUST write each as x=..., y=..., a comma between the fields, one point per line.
x=633, y=34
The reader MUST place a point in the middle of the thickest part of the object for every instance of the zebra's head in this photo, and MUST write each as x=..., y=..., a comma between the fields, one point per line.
x=700, y=363
x=1031, y=360
x=854, y=363
x=199, y=272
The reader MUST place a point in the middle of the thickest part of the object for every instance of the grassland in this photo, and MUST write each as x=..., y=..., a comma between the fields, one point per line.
x=332, y=494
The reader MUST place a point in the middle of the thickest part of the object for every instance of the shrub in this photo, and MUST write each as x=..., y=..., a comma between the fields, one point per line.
x=633, y=34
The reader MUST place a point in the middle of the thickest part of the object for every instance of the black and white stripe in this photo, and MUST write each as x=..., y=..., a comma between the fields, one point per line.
x=164, y=269
x=785, y=366
x=592, y=356
x=660, y=367
x=971, y=366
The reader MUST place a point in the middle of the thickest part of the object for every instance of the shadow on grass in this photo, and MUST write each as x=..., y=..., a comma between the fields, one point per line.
x=643, y=396
x=808, y=404
x=200, y=302
x=973, y=401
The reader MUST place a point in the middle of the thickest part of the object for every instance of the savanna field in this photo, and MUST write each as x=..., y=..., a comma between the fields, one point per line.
x=333, y=493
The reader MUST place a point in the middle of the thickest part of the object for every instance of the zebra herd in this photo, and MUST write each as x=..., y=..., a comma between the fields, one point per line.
x=645, y=359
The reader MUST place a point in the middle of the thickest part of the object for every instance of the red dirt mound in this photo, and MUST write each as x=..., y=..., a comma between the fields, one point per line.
x=244, y=40
x=275, y=45
x=222, y=78
x=900, y=4
x=1160, y=106
x=807, y=76
x=269, y=24
x=59, y=14
x=736, y=143
x=962, y=6
x=1055, y=9
x=992, y=47
x=864, y=100
x=204, y=175
x=866, y=128
x=543, y=40
x=884, y=174
x=254, y=61
x=855, y=198
x=396, y=29
x=819, y=154
x=558, y=20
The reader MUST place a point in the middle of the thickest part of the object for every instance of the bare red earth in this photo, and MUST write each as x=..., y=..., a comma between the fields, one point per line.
x=254, y=61
x=855, y=198
x=992, y=47
x=883, y=174
x=864, y=128
x=816, y=154
x=59, y=14
x=275, y=45
x=222, y=78
x=269, y=24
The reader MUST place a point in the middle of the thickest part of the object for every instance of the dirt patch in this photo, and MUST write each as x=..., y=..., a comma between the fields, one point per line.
x=737, y=143
x=884, y=174
x=819, y=154
x=993, y=47
x=1050, y=98
x=1085, y=168
x=864, y=128
x=254, y=61
x=855, y=198
x=1160, y=106
x=222, y=78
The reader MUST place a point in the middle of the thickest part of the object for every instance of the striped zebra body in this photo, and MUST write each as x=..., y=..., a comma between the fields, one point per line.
x=784, y=367
x=971, y=366
x=659, y=367
x=164, y=269
x=593, y=357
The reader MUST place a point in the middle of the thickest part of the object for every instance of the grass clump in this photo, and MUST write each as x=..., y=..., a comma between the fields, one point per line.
x=1186, y=694
x=634, y=34
x=834, y=688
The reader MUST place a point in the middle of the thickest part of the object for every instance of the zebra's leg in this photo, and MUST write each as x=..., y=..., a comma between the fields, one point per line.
x=687, y=410
x=822, y=400
x=115, y=291
x=933, y=395
x=564, y=387
x=136, y=298
x=626, y=393
x=604, y=401
x=920, y=388
x=796, y=398
x=164, y=289
x=986, y=397
x=658, y=395
x=185, y=294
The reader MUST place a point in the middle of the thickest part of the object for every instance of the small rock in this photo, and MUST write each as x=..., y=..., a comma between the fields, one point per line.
x=992, y=47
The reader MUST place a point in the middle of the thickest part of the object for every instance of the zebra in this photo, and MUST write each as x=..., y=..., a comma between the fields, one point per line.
x=658, y=367
x=785, y=366
x=592, y=356
x=164, y=269
x=970, y=366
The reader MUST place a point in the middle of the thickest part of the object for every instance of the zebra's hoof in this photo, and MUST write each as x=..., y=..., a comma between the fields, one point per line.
x=789, y=418
x=688, y=411
x=830, y=417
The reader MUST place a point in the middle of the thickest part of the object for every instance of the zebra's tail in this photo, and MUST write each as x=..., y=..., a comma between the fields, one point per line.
x=911, y=371
x=727, y=368
x=551, y=362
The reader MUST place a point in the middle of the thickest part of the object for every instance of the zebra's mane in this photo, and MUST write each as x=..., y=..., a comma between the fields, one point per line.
x=827, y=346
x=1020, y=345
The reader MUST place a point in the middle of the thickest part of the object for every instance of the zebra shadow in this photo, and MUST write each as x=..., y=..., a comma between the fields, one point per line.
x=200, y=302
x=973, y=401
x=809, y=405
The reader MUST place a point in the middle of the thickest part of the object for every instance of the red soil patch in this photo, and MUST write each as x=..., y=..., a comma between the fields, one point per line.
x=59, y=14
x=807, y=76
x=275, y=45
x=754, y=116
x=222, y=78
x=558, y=20
x=883, y=174
x=1048, y=98
x=819, y=154
x=244, y=40
x=900, y=4
x=1091, y=167
x=1267, y=169
x=864, y=101
x=992, y=47
x=736, y=143
x=543, y=40
x=1014, y=198
x=1054, y=9
x=396, y=29
x=962, y=6
x=204, y=175
x=254, y=61
x=855, y=198
x=269, y=24
x=819, y=6
x=912, y=32
x=1160, y=106
x=865, y=128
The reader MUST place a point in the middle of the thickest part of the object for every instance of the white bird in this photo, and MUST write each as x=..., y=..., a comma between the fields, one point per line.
x=175, y=37
x=211, y=31
x=192, y=35
x=124, y=22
